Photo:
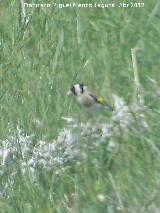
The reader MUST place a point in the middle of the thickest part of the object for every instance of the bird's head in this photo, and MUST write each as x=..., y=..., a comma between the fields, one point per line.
x=77, y=89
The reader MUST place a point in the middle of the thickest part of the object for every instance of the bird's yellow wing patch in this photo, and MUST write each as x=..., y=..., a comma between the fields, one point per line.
x=100, y=100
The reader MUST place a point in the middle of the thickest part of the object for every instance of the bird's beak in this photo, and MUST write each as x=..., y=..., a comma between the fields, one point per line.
x=69, y=93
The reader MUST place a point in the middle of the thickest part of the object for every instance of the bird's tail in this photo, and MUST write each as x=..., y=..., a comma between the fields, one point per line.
x=109, y=107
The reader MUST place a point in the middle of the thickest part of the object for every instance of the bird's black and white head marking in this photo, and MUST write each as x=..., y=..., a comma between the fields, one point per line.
x=78, y=89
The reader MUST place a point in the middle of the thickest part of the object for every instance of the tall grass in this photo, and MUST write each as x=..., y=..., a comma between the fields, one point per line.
x=111, y=168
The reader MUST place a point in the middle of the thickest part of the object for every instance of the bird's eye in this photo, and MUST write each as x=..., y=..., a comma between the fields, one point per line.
x=81, y=87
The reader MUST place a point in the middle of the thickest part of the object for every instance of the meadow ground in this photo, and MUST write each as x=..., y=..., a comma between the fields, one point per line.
x=54, y=158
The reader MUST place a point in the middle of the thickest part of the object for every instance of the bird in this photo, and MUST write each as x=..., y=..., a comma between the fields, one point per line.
x=87, y=99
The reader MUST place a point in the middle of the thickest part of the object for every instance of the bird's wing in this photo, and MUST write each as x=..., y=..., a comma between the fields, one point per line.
x=98, y=100
x=102, y=101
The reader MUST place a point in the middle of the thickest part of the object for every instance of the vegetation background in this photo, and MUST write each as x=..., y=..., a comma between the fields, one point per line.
x=43, y=52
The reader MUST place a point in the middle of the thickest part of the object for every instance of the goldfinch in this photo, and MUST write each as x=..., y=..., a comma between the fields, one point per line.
x=87, y=99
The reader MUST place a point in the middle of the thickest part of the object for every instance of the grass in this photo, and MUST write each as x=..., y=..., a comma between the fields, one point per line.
x=40, y=58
